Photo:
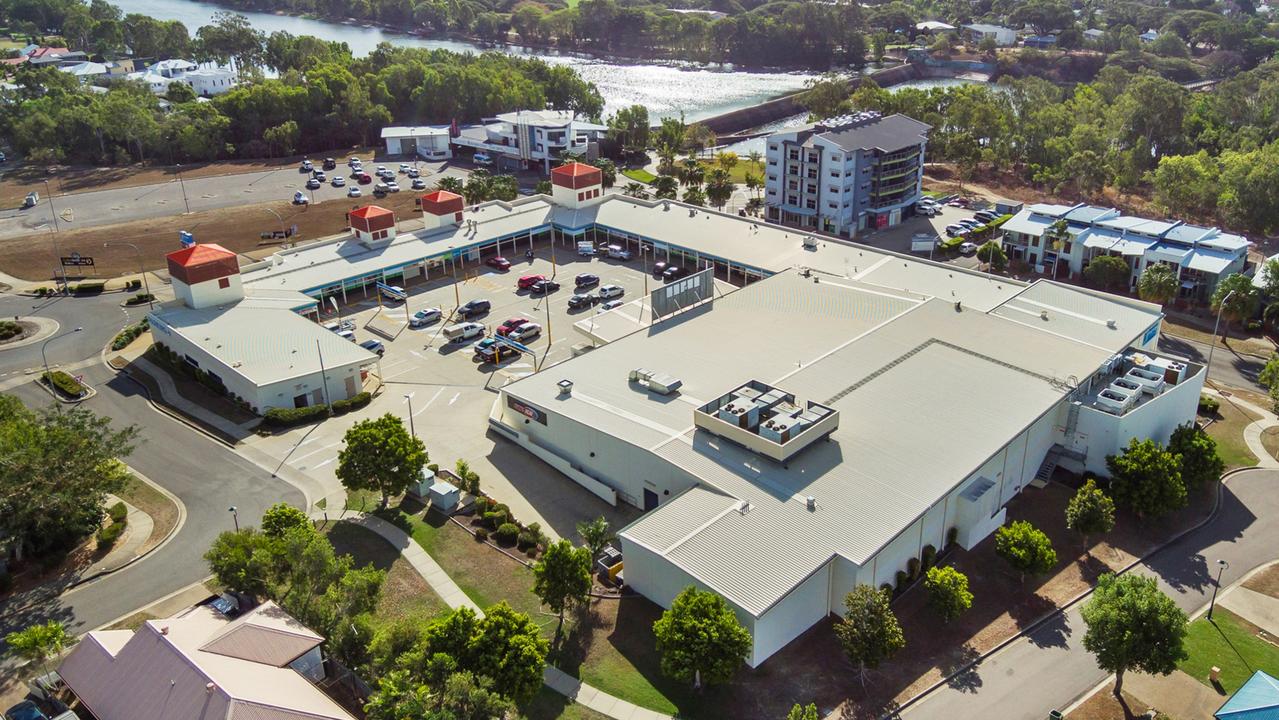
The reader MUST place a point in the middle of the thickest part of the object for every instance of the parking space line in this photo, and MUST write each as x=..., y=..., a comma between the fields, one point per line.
x=315, y=451
x=326, y=462
x=428, y=402
x=454, y=398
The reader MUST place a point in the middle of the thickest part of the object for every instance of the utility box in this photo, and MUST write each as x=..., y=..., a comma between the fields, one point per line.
x=444, y=496
x=608, y=557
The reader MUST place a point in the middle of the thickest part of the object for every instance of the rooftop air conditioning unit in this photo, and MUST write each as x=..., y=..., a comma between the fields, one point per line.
x=1110, y=324
x=810, y=243
x=1043, y=314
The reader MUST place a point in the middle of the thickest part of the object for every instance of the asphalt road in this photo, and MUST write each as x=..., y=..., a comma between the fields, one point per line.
x=205, y=475
x=104, y=207
x=1049, y=668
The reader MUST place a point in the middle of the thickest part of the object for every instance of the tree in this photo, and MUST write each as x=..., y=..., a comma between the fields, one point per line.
x=281, y=518
x=869, y=632
x=803, y=712
x=470, y=479
x=700, y=639
x=59, y=465
x=1107, y=273
x=179, y=92
x=630, y=128
x=947, y=592
x=1158, y=284
x=1146, y=479
x=452, y=184
x=693, y=195
x=242, y=561
x=826, y=96
x=665, y=187
x=1043, y=16
x=508, y=648
x=595, y=534
x=283, y=137
x=993, y=255
x=1090, y=511
x=381, y=456
x=719, y=188
x=1026, y=548
x=562, y=577
x=1133, y=626
x=1237, y=298
x=38, y=643
x=635, y=190
x=1200, y=463
x=608, y=172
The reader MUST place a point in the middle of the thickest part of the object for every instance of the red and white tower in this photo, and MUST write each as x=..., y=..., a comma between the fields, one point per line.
x=205, y=276
x=576, y=185
x=442, y=208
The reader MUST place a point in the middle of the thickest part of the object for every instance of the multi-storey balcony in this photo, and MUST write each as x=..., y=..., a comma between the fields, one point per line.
x=899, y=156
x=884, y=176
x=880, y=190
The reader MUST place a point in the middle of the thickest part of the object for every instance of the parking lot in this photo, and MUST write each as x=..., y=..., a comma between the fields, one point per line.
x=897, y=239
x=451, y=393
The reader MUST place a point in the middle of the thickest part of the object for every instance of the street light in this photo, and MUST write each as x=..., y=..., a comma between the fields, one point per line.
x=235, y=515
x=184, y=189
x=408, y=398
x=44, y=358
x=1213, y=345
x=57, y=249
x=1222, y=565
x=141, y=270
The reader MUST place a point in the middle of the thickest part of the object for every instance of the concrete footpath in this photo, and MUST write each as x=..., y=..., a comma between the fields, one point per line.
x=554, y=678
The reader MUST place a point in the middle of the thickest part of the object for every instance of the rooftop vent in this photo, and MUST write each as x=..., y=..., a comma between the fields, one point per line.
x=666, y=206
x=210, y=687
x=1111, y=324
x=811, y=502
x=565, y=386
x=1043, y=314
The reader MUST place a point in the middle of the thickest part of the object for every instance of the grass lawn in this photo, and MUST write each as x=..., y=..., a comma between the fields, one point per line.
x=1270, y=441
x=1230, y=643
x=405, y=593
x=743, y=166
x=1227, y=430
x=550, y=705
x=640, y=175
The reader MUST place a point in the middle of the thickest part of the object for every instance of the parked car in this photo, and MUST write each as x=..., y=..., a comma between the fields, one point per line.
x=353, y=160
x=461, y=332
x=543, y=287
x=346, y=334
x=527, y=281
x=330, y=164
x=496, y=353
x=306, y=166
x=611, y=291
x=482, y=159
x=525, y=332
x=353, y=192
x=985, y=216
x=659, y=268
x=955, y=230
x=968, y=248
x=926, y=210
x=673, y=273
x=374, y=346
x=25, y=710
x=418, y=184
x=337, y=326
x=364, y=178
x=413, y=173
x=971, y=224
x=393, y=292
x=313, y=184
x=586, y=280
x=611, y=304
x=581, y=300
x=30, y=200
x=381, y=170
x=509, y=325
x=474, y=307
x=3, y=157
x=392, y=186
x=338, y=181
x=425, y=317
x=299, y=198
x=499, y=262
x=405, y=167
x=380, y=189
x=319, y=175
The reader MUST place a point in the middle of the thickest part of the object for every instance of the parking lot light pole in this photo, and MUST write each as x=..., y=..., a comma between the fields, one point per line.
x=408, y=398
x=1222, y=565
x=183, y=185
x=235, y=515
x=1213, y=345
x=457, y=297
x=141, y=270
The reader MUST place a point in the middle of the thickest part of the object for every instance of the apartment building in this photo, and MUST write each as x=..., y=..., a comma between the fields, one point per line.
x=846, y=174
x=1200, y=256
x=525, y=138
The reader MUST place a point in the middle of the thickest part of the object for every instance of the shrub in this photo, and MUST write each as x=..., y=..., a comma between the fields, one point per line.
x=8, y=329
x=118, y=512
x=912, y=568
x=530, y=537
x=506, y=533
x=435, y=469
x=140, y=299
x=288, y=417
x=109, y=534
x=481, y=534
x=929, y=555
x=1254, y=325
x=902, y=580
x=129, y=334
x=132, y=284
x=64, y=383
x=53, y=560
x=531, y=552
x=86, y=288
x=355, y=402
x=887, y=589
x=1208, y=405
x=496, y=519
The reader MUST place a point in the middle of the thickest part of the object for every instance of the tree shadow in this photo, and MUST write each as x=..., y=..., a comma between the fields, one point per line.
x=964, y=674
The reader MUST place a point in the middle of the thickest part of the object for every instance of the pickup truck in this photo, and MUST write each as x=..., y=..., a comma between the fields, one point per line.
x=461, y=332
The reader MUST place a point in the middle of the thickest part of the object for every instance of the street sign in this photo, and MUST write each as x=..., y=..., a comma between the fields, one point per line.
x=77, y=260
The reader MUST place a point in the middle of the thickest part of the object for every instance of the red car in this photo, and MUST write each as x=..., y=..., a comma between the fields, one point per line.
x=364, y=178
x=529, y=281
x=498, y=262
x=510, y=325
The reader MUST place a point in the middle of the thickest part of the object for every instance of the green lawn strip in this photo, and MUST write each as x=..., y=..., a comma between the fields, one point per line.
x=1227, y=429
x=1230, y=643
x=405, y=593
x=640, y=175
x=550, y=705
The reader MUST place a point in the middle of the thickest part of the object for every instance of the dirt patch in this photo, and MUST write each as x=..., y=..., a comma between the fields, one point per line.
x=1103, y=705
x=1270, y=440
x=1265, y=582
x=70, y=179
x=1011, y=184
x=163, y=511
x=235, y=228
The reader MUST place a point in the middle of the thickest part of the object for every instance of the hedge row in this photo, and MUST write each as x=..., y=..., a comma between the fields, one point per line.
x=86, y=288
x=64, y=383
x=288, y=417
x=355, y=402
x=129, y=334
x=140, y=299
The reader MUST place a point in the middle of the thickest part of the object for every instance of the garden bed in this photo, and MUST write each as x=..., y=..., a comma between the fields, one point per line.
x=12, y=331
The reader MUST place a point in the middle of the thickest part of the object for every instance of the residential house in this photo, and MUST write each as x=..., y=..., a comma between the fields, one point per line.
x=203, y=665
x=1004, y=37
x=1201, y=256
x=525, y=138
x=845, y=174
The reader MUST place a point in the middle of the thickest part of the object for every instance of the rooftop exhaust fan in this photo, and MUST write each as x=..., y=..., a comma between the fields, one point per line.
x=812, y=503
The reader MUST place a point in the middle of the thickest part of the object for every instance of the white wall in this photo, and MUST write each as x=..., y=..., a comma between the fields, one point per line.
x=799, y=610
x=281, y=394
x=1156, y=419
x=207, y=293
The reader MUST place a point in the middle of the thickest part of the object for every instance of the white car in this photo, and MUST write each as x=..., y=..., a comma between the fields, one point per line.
x=611, y=304
x=338, y=181
x=381, y=170
x=527, y=331
x=299, y=198
x=611, y=291
x=482, y=159
x=392, y=186
x=425, y=317
x=968, y=248
x=404, y=167
x=353, y=191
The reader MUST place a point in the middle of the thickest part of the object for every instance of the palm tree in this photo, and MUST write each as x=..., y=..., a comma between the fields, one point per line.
x=450, y=184
x=691, y=171
x=665, y=187
x=754, y=183
x=1158, y=284
x=478, y=188
x=693, y=195
x=719, y=187
x=608, y=172
x=635, y=190
x=504, y=187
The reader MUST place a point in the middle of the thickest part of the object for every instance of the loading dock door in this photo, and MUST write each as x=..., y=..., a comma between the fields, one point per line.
x=650, y=499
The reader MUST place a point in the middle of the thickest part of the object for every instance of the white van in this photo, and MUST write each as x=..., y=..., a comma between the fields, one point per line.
x=617, y=252
x=586, y=249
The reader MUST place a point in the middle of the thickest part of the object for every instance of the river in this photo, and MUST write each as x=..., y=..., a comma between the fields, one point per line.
x=665, y=89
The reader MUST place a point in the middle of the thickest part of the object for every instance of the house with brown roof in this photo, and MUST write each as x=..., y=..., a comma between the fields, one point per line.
x=201, y=665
